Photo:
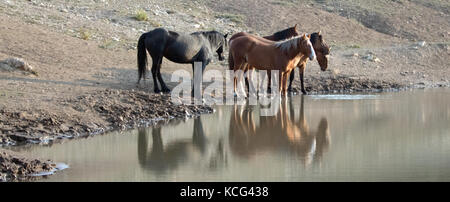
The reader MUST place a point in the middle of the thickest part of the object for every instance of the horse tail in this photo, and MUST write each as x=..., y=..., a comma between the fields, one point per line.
x=142, y=57
x=230, y=61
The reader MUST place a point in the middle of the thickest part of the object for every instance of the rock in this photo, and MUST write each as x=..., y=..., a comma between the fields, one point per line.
x=421, y=43
x=16, y=63
x=369, y=57
x=64, y=128
x=115, y=38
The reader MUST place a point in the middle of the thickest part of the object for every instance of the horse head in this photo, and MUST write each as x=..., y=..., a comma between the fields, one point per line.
x=220, y=50
x=217, y=41
x=322, y=50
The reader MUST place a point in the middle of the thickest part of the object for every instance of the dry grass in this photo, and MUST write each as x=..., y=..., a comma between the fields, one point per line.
x=238, y=19
x=85, y=34
x=141, y=15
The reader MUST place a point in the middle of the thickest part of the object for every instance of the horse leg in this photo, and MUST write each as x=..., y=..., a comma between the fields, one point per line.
x=301, y=81
x=154, y=73
x=280, y=82
x=247, y=84
x=235, y=82
x=269, y=81
x=249, y=77
x=284, y=83
x=291, y=79
x=193, y=80
x=160, y=79
x=238, y=65
x=240, y=77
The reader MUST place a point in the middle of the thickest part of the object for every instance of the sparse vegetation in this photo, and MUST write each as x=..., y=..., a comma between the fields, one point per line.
x=108, y=44
x=85, y=34
x=154, y=23
x=354, y=46
x=239, y=19
x=141, y=15
x=282, y=2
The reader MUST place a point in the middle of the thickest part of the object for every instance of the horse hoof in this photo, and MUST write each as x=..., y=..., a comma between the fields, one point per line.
x=304, y=92
x=166, y=90
x=157, y=91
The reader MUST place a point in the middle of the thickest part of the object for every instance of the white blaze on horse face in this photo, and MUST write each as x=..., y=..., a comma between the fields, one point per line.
x=312, y=56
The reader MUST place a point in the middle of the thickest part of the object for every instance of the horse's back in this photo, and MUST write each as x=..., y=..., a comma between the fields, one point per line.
x=156, y=39
x=240, y=34
x=249, y=43
x=257, y=53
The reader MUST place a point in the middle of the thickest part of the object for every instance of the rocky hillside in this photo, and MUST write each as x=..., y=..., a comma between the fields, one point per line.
x=116, y=23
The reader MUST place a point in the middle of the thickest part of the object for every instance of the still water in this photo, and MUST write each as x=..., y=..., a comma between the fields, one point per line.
x=403, y=136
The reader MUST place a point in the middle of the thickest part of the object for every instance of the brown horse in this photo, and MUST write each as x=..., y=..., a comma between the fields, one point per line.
x=322, y=52
x=320, y=47
x=251, y=51
x=278, y=36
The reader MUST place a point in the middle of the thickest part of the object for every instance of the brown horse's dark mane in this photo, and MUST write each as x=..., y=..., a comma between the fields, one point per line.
x=283, y=34
x=316, y=37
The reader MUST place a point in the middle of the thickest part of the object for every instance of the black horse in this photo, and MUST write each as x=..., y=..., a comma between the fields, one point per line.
x=178, y=48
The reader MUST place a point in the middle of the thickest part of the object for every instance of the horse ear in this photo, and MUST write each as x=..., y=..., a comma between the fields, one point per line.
x=226, y=35
x=319, y=33
x=304, y=36
x=295, y=27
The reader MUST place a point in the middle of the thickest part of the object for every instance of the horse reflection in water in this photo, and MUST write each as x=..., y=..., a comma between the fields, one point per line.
x=277, y=133
x=165, y=157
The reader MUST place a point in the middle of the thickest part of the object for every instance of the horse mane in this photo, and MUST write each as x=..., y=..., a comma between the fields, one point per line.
x=288, y=44
x=213, y=37
x=314, y=36
x=283, y=34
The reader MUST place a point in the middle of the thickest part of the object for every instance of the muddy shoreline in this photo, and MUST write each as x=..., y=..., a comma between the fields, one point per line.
x=15, y=167
x=129, y=109
x=118, y=109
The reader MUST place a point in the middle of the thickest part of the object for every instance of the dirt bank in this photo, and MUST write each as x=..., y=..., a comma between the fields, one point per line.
x=114, y=109
x=15, y=167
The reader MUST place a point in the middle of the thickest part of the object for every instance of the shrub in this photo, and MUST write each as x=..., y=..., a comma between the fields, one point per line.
x=141, y=15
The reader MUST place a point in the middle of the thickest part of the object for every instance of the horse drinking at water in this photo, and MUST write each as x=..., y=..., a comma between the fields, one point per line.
x=178, y=48
x=249, y=51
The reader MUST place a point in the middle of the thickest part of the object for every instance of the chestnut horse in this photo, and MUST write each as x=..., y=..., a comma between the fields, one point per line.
x=278, y=36
x=284, y=56
x=320, y=47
